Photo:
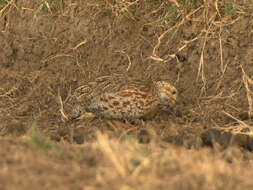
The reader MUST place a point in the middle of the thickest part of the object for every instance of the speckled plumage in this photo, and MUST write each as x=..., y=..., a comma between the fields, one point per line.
x=132, y=102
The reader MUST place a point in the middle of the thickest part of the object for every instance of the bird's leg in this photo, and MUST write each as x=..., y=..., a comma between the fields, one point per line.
x=111, y=124
x=133, y=128
x=115, y=124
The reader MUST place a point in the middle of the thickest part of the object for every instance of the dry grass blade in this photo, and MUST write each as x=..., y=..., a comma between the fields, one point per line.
x=223, y=69
x=112, y=153
x=80, y=44
x=168, y=30
x=7, y=6
x=201, y=62
x=238, y=120
x=55, y=56
x=64, y=116
x=48, y=6
x=217, y=8
x=129, y=60
x=246, y=81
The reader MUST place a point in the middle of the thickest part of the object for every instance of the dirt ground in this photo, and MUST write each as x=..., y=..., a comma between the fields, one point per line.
x=52, y=51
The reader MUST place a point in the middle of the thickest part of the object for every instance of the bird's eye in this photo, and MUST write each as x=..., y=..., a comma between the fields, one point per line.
x=174, y=92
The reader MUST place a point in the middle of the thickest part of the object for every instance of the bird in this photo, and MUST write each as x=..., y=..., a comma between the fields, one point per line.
x=132, y=101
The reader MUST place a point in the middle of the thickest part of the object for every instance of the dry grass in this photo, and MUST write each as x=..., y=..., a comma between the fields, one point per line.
x=113, y=164
x=169, y=167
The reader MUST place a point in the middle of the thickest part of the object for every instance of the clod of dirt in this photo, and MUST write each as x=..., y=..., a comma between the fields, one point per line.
x=229, y=137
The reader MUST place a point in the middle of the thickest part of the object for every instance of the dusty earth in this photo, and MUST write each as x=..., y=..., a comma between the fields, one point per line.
x=52, y=52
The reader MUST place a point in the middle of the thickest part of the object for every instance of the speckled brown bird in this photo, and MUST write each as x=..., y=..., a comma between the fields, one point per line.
x=133, y=102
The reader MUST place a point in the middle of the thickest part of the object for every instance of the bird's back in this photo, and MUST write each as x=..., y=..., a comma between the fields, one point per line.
x=128, y=103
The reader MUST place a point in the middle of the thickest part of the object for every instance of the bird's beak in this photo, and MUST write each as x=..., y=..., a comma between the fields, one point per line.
x=173, y=100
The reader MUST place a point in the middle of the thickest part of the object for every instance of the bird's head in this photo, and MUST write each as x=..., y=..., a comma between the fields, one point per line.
x=166, y=92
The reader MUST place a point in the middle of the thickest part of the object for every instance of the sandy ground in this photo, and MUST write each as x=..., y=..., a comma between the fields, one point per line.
x=53, y=51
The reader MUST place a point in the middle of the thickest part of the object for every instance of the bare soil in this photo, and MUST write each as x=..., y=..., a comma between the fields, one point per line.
x=53, y=51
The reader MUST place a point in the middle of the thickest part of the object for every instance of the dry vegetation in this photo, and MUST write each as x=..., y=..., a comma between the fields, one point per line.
x=52, y=52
